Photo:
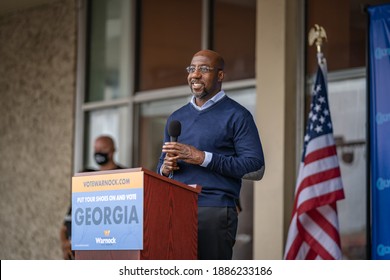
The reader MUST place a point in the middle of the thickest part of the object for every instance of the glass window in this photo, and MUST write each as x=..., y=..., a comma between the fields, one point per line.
x=112, y=122
x=109, y=56
x=152, y=123
x=345, y=23
x=171, y=34
x=347, y=102
x=234, y=36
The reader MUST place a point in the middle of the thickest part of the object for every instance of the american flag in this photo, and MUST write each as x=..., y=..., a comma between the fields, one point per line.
x=313, y=232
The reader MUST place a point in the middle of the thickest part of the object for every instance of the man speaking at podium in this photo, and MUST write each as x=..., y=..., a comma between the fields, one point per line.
x=212, y=141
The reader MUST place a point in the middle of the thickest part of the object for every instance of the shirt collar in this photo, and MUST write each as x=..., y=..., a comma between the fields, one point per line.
x=209, y=102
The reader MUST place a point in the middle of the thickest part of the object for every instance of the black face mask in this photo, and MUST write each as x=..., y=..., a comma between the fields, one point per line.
x=101, y=158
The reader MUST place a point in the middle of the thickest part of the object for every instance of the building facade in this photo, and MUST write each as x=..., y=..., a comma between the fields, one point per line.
x=71, y=70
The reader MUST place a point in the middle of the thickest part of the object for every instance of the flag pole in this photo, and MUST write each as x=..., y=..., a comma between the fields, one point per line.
x=317, y=35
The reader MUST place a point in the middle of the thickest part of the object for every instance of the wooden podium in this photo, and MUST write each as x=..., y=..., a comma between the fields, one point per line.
x=170, y=225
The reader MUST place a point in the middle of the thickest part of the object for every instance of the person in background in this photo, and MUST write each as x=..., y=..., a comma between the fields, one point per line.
x=104, y=153
x=219, y=145
x=104, y=150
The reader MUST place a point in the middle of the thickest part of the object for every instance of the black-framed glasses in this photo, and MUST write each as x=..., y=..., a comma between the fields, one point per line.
x=202, y=69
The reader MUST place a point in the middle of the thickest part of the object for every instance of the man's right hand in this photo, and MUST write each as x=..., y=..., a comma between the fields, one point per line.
x=169, y=165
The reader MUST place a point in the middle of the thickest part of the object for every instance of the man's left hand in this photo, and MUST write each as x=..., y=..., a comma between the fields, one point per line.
x=187, y=153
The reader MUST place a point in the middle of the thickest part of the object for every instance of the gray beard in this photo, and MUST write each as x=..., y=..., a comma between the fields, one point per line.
x=200, y=95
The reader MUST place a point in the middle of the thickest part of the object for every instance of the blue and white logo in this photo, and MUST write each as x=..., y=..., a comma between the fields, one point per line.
x=383, y=250
x=382, y=184
x=382, y=52
x=382, y=118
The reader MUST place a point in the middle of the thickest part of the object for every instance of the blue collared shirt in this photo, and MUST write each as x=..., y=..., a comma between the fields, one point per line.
x=209, y=102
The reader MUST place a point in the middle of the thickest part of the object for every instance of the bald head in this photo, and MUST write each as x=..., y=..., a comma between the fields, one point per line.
x=104, y=144
x=216, y=59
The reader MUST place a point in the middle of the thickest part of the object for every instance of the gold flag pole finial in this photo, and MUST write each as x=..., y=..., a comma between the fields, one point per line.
x=317, y=34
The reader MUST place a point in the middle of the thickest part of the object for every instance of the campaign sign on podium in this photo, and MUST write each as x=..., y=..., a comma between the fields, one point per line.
x=107, y=211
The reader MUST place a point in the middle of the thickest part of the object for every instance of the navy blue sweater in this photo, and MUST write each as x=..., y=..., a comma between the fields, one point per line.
x=228, y=131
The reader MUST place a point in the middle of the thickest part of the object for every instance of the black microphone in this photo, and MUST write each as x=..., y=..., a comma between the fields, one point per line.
x=174, y=130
